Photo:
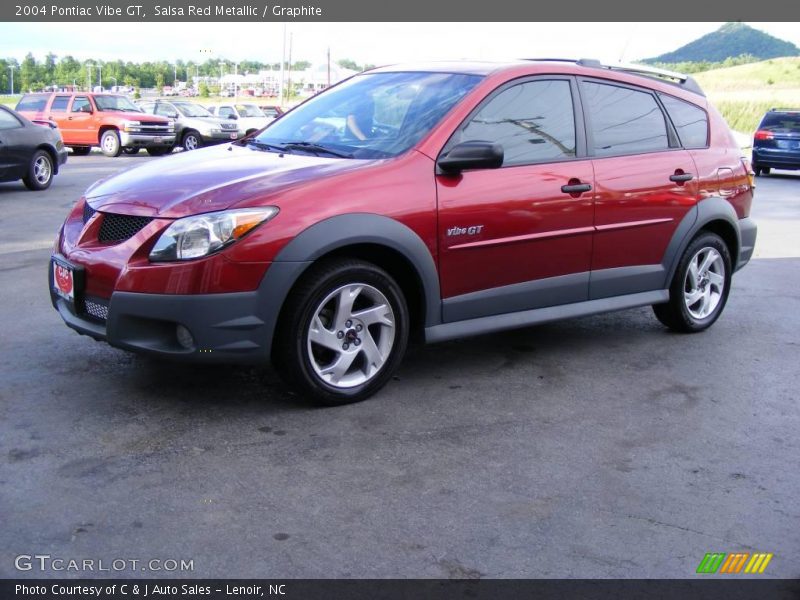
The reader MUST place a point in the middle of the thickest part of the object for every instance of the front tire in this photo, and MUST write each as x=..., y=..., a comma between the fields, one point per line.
x=109, y=143
x=131, y=150
x=699, y=290
x=191, y=141
x=344, y=332
x=40, y=172
x=81, y=150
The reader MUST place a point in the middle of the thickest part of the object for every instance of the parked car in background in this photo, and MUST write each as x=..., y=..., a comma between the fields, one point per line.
x=441, y=200
x=29, y=151
x=249, y=117
x=194, y=125
x=272, y=110
x=776, y=143
x=110, y=121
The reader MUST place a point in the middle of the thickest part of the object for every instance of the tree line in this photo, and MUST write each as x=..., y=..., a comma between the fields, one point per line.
x=35, y=75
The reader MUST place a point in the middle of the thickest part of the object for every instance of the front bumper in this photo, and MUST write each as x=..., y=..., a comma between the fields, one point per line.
x=142, y=140
x=218, y=137
x=224, y=327
x=235, y=327
x=61, y=157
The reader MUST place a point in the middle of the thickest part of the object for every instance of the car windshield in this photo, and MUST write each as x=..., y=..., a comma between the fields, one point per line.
x=115, y=103
x=781, y=122
x=249, y=110
x=377, y=115
x=189, y=109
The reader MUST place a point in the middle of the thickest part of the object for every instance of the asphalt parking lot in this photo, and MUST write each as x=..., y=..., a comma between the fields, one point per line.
x=598, y=447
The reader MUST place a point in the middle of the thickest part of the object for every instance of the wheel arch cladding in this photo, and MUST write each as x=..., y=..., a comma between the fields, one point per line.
x=354, y=235
x=713, y=214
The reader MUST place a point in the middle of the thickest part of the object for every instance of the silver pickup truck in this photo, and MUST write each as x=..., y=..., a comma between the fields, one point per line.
x=194, y=125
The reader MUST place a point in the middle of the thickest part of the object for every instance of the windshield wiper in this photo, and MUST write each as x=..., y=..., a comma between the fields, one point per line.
x=316, y=149
x=264, y=145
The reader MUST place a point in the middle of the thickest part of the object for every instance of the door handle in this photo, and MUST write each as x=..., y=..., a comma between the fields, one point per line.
x=681, y=177
x=576, y=188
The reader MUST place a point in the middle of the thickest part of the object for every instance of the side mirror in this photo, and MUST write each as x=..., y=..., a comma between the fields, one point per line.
x=476, y=154
x=232, y=116
x=86, y=108
x=173, y=115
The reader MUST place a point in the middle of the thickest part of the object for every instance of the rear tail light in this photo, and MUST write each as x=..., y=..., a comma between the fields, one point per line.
x=751, y=176
x=763, y=134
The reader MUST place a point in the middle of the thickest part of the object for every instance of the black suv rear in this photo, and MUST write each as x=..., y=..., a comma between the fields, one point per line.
x=776, y=143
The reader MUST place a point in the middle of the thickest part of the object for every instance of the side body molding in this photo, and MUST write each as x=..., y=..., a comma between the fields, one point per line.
x=338, y=232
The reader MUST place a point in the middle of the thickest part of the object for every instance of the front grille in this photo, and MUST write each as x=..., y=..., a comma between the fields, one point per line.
x=228, y=126
x=118, y=228
x=154, y=130
x=88, y=211
x=96, y=309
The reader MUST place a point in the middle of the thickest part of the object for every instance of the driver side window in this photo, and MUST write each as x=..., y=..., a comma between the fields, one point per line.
x=533, y=121
x=81, y=104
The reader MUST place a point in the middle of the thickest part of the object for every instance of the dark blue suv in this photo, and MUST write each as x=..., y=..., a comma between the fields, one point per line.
x=776, y=143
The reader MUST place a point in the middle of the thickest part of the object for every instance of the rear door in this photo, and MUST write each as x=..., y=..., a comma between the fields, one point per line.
x=514, y=238
x=645, y=183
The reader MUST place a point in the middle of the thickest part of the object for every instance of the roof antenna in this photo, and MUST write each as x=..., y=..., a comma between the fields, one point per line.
x=625, y=48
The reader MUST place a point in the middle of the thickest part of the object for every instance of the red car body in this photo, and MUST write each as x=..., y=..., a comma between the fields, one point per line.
x=620, y=240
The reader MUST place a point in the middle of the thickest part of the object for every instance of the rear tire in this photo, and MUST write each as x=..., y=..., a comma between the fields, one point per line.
x=343, y=333
x=40, y=171
x=109, y=143
x=699, y=289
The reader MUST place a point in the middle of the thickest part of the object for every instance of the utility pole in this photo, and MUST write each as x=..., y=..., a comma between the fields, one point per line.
x=283, y=63
x=289, y=87
x=99, y=76
x=175, y=75
x=89, y=68
x=11, y=68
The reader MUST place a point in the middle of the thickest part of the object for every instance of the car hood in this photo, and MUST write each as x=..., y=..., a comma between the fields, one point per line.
x=207, y=180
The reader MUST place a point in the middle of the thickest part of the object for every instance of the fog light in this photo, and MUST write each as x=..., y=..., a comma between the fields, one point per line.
x=185, y=338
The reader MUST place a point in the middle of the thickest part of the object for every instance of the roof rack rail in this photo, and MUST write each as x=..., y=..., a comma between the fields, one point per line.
x=778, y=109
x=680, y=79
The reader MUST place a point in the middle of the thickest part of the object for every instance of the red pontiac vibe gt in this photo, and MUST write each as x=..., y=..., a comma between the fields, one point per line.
x=444, y=200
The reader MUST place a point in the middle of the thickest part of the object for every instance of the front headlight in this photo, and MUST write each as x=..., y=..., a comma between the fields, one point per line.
x=131, y=125
x=201, y=235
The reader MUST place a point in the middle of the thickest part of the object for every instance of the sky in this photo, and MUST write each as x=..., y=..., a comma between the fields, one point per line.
x=373, y=43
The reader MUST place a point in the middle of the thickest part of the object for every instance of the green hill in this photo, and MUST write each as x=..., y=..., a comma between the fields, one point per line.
x=729, y=41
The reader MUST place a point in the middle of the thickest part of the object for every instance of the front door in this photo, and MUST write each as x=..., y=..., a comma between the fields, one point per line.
x=78, y=125
x=518, y=237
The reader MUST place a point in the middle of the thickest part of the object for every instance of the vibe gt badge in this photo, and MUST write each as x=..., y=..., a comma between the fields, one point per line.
x=471, y=230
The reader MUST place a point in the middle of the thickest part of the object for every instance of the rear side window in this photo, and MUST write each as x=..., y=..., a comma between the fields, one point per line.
x=60, y=103
x=623, y=120
x=781, y=122
x=32, y=103
x=690, y=121
x=8, y=121
x=533, y=121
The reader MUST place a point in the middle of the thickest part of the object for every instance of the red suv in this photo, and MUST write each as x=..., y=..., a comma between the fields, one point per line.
x=110, y=121
x=443, y=200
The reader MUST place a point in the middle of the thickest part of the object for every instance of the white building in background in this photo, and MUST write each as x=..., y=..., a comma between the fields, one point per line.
x=307, y=82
